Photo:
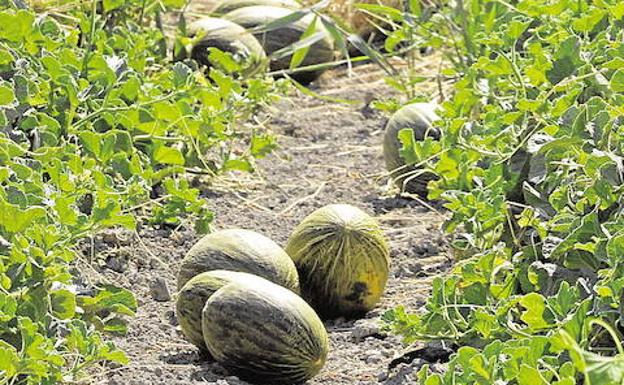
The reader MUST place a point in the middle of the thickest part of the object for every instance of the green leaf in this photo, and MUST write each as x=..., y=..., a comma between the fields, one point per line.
x=589, y=21
x=408, y=145
x=63, y=303
x=383, y=11
x=415, y=8
x=617, y=81
x=302, y=52
x=516, y=28
x=261, y=145
x=9, y=360
x=530, y=376
x=237, y=164
x=167, y=155
x=111, y=298
x=181, y=74
x=116, y=325
x=281, y=22
x=535, y=306
x=110, y=5
x=15, y=219
x=7, y=97
x=174, y=3
x=604, y=370
x=223, y=60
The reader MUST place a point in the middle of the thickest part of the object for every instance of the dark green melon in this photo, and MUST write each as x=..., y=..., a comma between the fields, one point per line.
x=193, y=296
x=226, y=6
x=343, y=260
x=227, y=37
x=264, y=333
x=320, y=52
x=240, y=250
x=419, y=117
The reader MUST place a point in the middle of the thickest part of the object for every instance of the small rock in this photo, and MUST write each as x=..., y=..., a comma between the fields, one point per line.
x=118, y=264
x=155, y=263
x=159, y=290
x=430, y=248
x=222, y=382
x=382, y=376
x=170, y=316
x=363, y=329
x=373, y=357
x=158, y=371
x=109, y=237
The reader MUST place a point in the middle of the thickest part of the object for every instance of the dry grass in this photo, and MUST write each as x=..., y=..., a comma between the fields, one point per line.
x=359, y=21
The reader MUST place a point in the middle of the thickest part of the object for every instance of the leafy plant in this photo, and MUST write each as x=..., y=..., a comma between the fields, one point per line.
x=98, y=128
x=529, y=166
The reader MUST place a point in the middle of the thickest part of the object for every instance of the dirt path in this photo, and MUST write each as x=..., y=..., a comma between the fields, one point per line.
x=328, y=153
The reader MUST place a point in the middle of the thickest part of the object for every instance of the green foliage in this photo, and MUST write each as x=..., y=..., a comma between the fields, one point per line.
x=529, y=166
x=98, y=129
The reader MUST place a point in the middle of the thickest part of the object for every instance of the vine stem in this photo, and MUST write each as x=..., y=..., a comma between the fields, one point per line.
x=87, y=56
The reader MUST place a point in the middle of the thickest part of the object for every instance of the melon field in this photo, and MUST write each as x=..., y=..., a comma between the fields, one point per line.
x=265, y=192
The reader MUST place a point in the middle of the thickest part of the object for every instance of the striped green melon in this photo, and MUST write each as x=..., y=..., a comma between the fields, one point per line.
x=226, y=6
x=321, y=51
x=418, y=117
x=240, y=250
x=264, y=332
x=343, y=260
x=193, y=296
x=227, y=37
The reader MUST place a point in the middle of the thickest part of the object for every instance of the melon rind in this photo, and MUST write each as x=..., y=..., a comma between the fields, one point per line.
x=320, y=52
x=419, y=117
x=227, y=37
x=342, y=258
x=265, y=333
x=226, y=6
x=240, y=250
x=193, y=296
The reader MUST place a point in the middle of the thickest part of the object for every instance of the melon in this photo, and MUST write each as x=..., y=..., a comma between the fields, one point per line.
x=226, y=6
x=193, y=296
x=264, y=333
x=419, y=117
x=320, y=52
x=227, y=37
x=343, y=260
x=240, y=250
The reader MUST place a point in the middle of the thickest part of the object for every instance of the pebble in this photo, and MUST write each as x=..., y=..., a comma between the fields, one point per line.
x=118, y=264
x=159, y=290
x=373, y=357
x=155, y=263
x=363, y=329
x=382, y=376
x=431, y=248
x=170, y=316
